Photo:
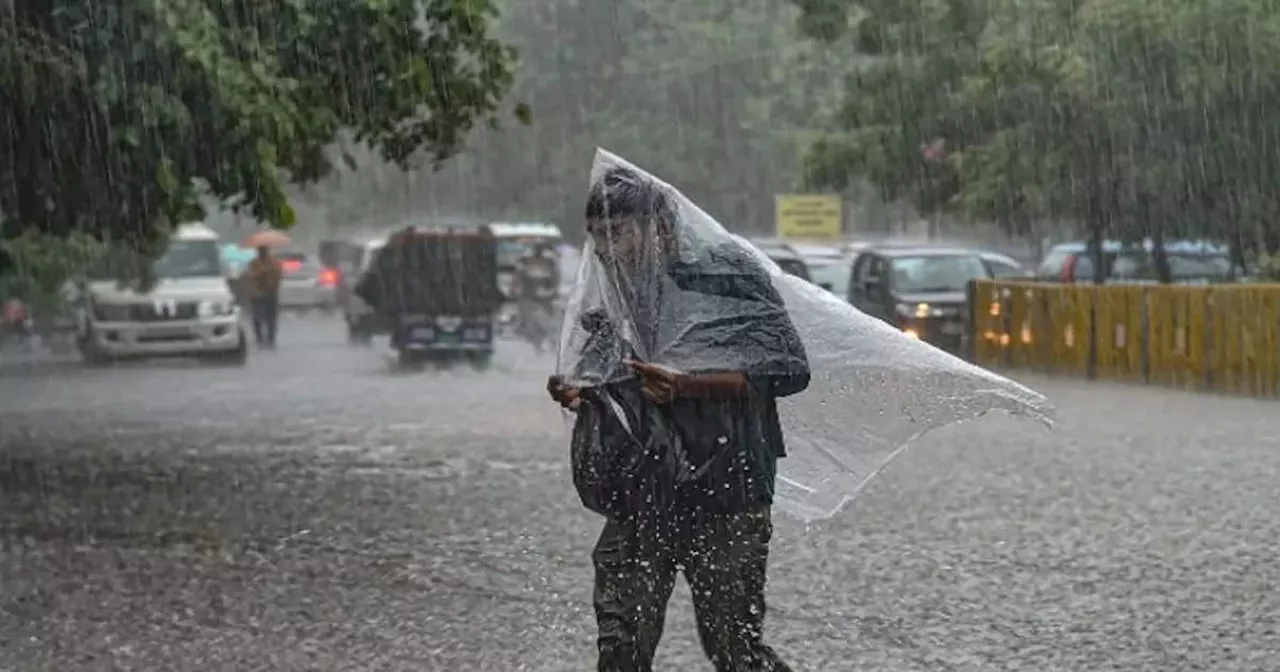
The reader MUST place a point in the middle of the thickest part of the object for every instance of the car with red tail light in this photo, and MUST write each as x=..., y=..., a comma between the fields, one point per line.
x=306, y=284
x=1190, y=263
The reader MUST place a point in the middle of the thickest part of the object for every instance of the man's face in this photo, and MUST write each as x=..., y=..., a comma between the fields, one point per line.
x=627, y=242
x=616, y=239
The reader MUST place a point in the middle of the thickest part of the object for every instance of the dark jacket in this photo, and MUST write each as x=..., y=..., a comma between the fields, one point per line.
x=634, y=458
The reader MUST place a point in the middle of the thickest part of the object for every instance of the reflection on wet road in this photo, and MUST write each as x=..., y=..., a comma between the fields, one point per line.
x=316, y=511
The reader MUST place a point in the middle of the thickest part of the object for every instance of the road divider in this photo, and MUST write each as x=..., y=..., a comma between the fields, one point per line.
x=1221, y=338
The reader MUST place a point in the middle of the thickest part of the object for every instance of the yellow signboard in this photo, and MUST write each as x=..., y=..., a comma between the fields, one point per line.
x=808, y=216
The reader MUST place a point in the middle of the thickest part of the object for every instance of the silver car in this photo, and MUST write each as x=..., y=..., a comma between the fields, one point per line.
x=306, y=285
x=1003, y=266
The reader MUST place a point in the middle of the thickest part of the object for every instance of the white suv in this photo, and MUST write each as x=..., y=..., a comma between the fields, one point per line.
x=190, y=312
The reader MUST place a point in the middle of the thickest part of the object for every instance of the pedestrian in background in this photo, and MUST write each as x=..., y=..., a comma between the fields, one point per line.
x=262, y=280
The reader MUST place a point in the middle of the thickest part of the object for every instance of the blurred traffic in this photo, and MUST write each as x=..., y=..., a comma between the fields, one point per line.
x=200, y=297
x=298, y=300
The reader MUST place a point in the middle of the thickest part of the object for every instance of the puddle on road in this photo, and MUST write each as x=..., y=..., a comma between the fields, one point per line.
x=527, y=467
x=434, y=471
x=452, y=469
x=390, y=460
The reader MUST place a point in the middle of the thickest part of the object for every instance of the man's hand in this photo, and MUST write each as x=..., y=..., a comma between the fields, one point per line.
x=660, y=384
x=568, y=397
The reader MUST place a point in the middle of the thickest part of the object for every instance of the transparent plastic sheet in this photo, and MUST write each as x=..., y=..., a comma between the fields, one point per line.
x=678, y=290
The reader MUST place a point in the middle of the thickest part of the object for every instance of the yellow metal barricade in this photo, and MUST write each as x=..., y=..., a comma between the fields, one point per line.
x=1118, y=314
x=1266, y=341
x=1264, y=344
x=1177, y=330
x=1228, y=333
x=1039, y=326
x=1068, y=330
x=1242, y=339
x=1225, y=337
x=988, y=323
x=1026, y=314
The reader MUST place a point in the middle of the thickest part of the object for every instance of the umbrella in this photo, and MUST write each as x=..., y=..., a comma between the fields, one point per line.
x=266, y=238
x=237, y=254
x=236, y=258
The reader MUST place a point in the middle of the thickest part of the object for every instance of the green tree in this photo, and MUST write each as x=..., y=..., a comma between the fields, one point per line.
x=717, y=96
x=42, y=263
x=1131, y=119
x=1194, y=81
x=120, y=116
x=903, y=126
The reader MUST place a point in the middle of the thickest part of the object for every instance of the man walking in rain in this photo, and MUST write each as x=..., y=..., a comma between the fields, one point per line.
x=262, y=280
x=676, y=435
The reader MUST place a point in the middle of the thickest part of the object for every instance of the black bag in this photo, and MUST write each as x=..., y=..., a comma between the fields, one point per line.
x=627, y=458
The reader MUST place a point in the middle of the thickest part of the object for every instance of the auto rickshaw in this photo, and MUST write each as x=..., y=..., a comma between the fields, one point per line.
x=437, y=290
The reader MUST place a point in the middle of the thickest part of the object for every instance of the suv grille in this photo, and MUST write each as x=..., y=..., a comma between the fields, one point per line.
x=163, y=311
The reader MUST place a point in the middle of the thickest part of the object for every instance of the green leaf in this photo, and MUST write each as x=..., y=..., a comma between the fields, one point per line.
x=203, y=98
x=523, y=113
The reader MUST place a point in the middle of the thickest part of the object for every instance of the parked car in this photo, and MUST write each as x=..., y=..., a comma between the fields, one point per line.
x=817, y=252
x=833, y=276
x=828, y=265
x=784, y=257
x=307, y=285
x=1191, y=262
x=1001, y=266
x=920, y=290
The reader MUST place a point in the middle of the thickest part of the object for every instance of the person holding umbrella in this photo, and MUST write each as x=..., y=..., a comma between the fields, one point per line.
x=261, y=279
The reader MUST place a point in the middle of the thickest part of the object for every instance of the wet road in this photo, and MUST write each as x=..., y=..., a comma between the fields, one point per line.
x=318, y=512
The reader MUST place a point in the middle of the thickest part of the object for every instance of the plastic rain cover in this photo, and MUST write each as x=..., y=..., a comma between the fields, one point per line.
x=662, y=282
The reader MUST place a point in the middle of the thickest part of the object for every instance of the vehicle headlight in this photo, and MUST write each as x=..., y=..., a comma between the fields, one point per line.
x=216, y=308
x=111, y=312
x=918, y=310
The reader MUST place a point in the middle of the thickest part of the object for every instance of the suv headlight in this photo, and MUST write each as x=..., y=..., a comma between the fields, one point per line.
x=217, y=308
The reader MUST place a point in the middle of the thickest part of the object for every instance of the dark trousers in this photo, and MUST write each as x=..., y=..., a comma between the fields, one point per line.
x=723, y=559
x=266, y=315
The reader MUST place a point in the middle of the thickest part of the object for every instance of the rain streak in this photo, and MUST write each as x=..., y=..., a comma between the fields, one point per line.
x=636, y=335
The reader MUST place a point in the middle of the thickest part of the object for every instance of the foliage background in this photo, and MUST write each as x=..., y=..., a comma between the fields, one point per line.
x=1127, y=119
x=1038, y=118
x=122, y=119
x=719, y=97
